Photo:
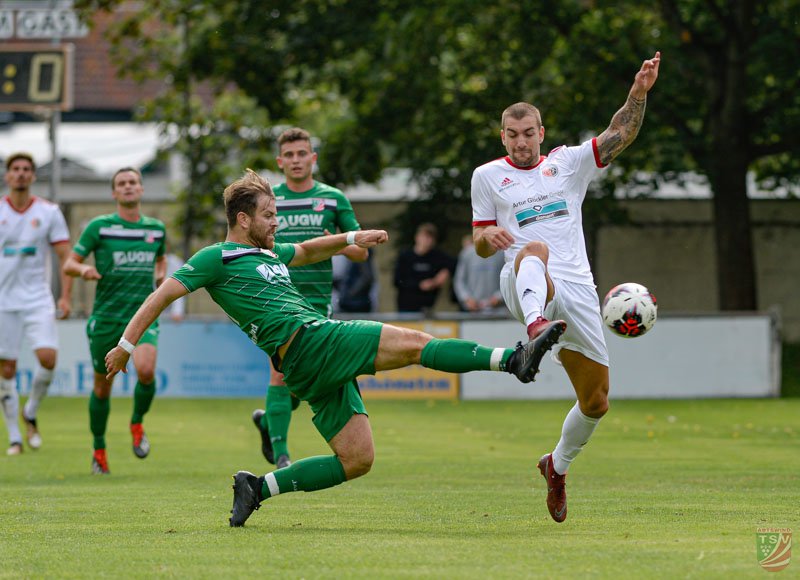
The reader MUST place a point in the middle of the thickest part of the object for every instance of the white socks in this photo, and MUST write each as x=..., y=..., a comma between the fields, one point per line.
x=10, y=402
x=575, y=433
x=41, y=382
x=532, y=287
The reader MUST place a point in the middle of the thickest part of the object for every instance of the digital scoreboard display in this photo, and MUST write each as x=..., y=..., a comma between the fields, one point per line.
x=35, y=76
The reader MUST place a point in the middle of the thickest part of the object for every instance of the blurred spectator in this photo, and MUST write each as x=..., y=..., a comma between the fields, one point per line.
x=477, y=280
x=177, y=310
x=421, y=271
x=355, y=289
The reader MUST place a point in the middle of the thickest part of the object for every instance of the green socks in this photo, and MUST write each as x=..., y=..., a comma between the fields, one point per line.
x=278, y=417
x=98, y=419
x=309, y=474
x=142, y=397
x=460, y=356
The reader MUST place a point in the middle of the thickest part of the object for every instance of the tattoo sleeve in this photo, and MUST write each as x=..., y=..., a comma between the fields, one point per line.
x=623, y=129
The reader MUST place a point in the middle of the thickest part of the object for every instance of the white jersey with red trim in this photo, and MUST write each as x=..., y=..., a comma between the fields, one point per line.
x=25, y=240
x=541, y=203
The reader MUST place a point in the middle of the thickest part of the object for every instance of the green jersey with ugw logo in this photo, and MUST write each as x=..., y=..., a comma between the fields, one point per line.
x=306, y=215
x=253, y=287
x=125, y=256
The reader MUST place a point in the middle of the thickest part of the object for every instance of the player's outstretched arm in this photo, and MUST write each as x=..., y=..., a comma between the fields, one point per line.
x=626, y=122
x=322, y=248
x=166, y=294
x=352, y=252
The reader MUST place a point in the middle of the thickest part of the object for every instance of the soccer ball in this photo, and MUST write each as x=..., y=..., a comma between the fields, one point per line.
x=630, y=310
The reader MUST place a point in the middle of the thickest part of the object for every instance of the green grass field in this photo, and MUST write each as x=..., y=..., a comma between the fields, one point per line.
x=664, y=490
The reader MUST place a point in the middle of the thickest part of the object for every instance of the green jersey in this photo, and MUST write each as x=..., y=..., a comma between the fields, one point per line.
x=125, y=255
x=306, y=215
x=253, y=287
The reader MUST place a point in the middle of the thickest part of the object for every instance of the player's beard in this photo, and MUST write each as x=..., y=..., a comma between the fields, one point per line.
x=523, y=158
x=262, y=238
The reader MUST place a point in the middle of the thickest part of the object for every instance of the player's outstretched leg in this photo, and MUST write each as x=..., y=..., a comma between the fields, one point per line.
x=460, y=356
x=260, y=421
x=556, y=488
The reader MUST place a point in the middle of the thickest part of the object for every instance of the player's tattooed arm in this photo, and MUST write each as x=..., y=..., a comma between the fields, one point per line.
x=626, y=122
x=622, y=131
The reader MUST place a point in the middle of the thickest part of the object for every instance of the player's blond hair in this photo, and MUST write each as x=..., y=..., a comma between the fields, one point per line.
x=242, y=195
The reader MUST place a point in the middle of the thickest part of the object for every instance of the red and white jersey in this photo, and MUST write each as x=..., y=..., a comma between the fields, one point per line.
x=25, y=240
x=541, y=203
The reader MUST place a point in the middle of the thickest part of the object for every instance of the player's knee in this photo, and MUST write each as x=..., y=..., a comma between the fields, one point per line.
x=596, y=406
x=8, y=368
x=358, y=461
x=146, y=375
x=535, y=248
x=47, y=359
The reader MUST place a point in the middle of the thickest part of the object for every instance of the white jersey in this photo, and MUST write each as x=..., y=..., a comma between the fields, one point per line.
x=541, y=203
x=25, y=240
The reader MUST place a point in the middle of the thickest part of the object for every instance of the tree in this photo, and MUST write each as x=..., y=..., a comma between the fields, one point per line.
x=422, y=85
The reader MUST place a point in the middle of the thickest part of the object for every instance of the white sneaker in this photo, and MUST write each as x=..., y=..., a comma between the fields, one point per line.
x=14, y=449
x=32, y=432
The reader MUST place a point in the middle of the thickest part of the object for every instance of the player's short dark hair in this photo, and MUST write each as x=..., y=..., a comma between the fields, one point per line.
x=20, y=155
x=125, y=170
x=292, y=135
x=520, y=111
x=242, y=195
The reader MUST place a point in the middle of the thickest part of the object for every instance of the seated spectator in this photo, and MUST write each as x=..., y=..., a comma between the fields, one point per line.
x=421, y=271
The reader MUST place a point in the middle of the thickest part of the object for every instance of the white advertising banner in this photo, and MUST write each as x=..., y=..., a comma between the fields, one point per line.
x=681, y=357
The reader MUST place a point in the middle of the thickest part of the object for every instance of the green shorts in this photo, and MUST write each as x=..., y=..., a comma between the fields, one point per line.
x=105, y=334
x=322, y=364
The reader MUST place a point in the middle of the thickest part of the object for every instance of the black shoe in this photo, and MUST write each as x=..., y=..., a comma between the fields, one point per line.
x=246, y=498
x=524, y=361
x=283, y=461
x=266, y=442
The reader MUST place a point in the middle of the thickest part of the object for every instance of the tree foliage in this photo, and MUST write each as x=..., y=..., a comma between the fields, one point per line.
x=422, y=85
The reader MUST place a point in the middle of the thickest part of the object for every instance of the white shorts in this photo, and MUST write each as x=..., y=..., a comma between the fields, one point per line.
x=37, y=325
x=576, y=304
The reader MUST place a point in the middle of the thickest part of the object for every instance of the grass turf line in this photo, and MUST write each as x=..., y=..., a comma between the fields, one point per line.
x=665, y=489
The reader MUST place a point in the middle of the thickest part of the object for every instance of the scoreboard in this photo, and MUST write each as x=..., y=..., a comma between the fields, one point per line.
x=35, y=76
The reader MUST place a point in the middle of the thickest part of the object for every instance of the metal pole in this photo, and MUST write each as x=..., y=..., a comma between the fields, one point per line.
x=55, y=173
